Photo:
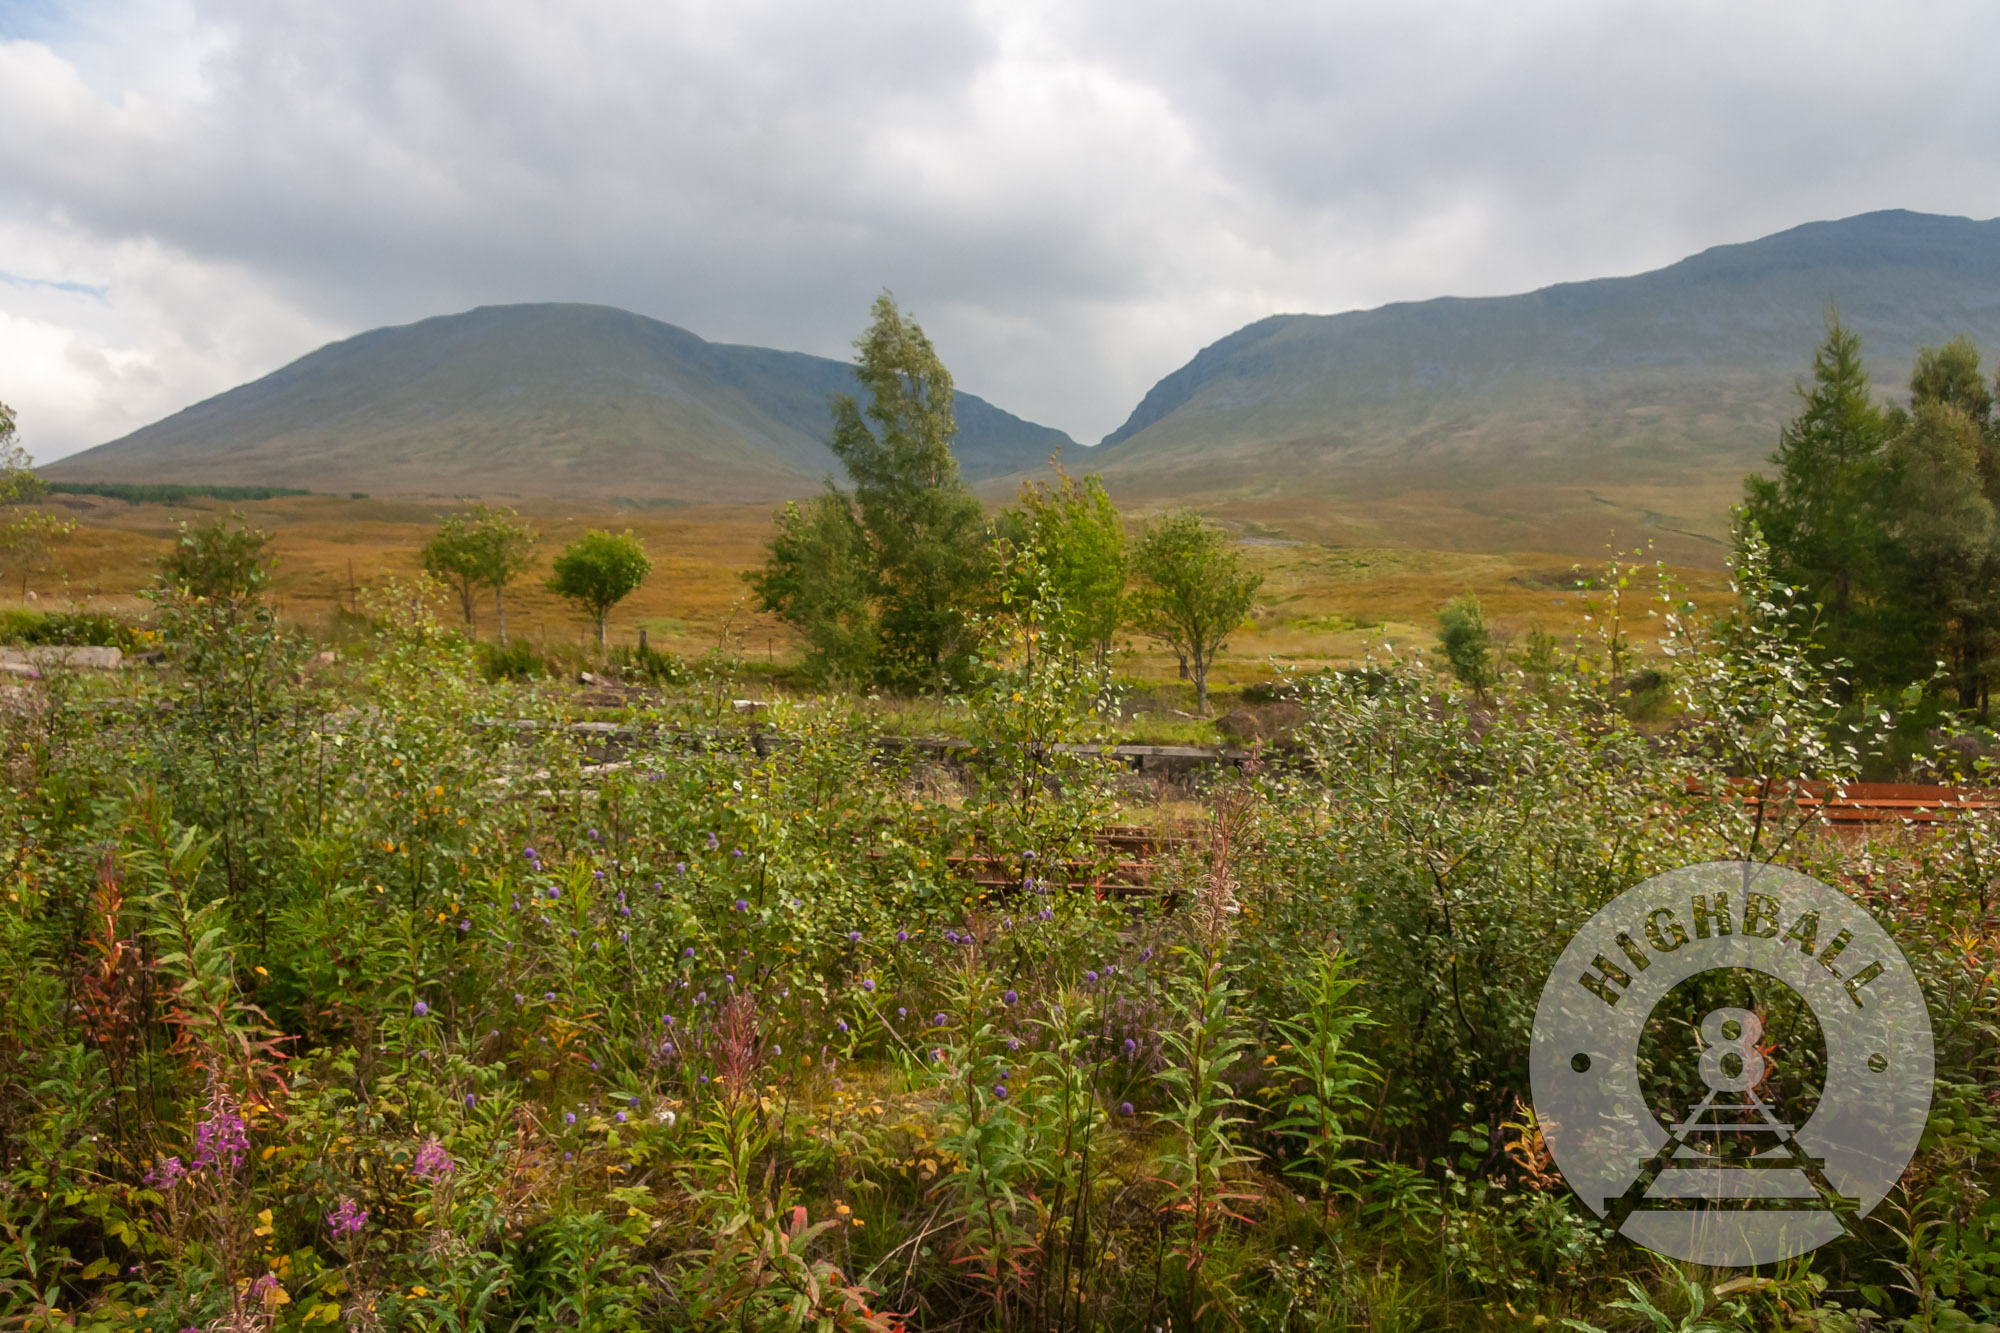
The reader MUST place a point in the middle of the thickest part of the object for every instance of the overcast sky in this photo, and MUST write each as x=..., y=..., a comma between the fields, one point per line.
x=1073, y=198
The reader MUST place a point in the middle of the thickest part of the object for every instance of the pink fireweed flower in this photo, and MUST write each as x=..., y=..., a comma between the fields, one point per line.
x=166, y=1175
x=346, y=1220
x=222, y=1141
x=432, y=1162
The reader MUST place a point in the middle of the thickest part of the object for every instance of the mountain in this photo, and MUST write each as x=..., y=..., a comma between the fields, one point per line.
x=1673, y=381
x=571, y=400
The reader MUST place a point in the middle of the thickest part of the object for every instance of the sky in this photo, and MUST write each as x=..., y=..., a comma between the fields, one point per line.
x=1073, y=198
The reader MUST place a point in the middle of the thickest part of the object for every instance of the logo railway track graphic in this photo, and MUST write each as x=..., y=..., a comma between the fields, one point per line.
x=1759, y=1140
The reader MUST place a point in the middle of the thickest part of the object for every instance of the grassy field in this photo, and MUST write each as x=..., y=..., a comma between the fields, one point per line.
x=1332, y=592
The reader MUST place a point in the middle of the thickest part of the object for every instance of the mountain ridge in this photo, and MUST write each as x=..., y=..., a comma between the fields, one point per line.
x=541, y=399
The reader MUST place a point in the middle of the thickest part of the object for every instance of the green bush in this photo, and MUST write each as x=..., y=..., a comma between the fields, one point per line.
x=517, y=660
x=39, y=628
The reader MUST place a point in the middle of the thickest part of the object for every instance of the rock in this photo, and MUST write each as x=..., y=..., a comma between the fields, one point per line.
x=1240, y=724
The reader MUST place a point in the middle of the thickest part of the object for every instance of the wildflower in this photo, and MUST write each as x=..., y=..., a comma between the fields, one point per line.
x=1124, y=1108
x=729, y=978
x=1090, y=978
x=902, y=937
x=657, y=886
x=713, y=842
x=1131, y=1047
x=1011, y=998
x=569, y=1117
x=221, y=1139
x=1013, y=1043
x=518, y=998
x=868, y=984
x=517, y=902
x=554, y=892
x=940, y=1020
x=688, y=952
x=166, y=1175
x=470, y=1101
x=569, y=1157
x=680, y=867
x=1000, y=1091
x=595, y=836
x=625, y=911
x=420, y=1009
x=737, y=854
x=1146, y=954
x=432, y=1162
x=465, y=925
x=841, y=1023
x=529, y=852
x=621, y=1117
x=631, y=1101
x=742, y=904
x=951, y=937
x=550, y=996
x=901, y=1012
x=346, y=1220
x=1046, y=914
x=624, y=937
x=597, y=875
x=854, y=937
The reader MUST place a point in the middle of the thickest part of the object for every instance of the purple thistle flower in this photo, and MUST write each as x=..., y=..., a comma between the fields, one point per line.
x=854, y=937
x=554, y=892
x=1131, y=1047
x=529, y=852
x=550, y=996
x=951, y=937
x=1013, y=1043
x=1124, y=1108
x=597, y=875
x=625, y=911
x=841, y=1023
x=1146, y=954
x=1090, y=978
x=657, y=886
x=1011, y=998
x=420, y=1009
x=737, y=854
x=902, y=937
x=688, y=952
x=868, y=984
x=742, y=904
x=569, y=1117
x=621, y=1117
x=940, y=1020
x=680, y=867
x=595, y=836
x=901, y=1012
x=713, y=842
x=1000, y=1091
x=624, y=937
x=470, y=1101
x=465, y=925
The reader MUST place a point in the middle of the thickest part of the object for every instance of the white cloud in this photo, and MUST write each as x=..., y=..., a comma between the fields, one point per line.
x=1072, y=197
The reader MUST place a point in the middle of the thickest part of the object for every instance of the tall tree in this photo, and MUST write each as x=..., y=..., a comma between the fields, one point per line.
x=1817, y=514
x=925, y=530
x=1467, y=643
x=1192, y=592
x=1080, y=541
x=599, y=570
x=907, y=552
x=1945, y=550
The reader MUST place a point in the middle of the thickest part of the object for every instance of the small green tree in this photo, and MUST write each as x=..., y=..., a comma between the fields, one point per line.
x=222, y=560
x=1467, y=644
x=1080, y=543
x=25, y=532
x=503, y=547
x=452, y=558
x=1192, y=592
x=599, y=570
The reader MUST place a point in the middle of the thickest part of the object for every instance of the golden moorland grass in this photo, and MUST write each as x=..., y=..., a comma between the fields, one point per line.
x=1323, y=602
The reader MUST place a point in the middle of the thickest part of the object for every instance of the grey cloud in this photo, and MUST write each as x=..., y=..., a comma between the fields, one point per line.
x=1073, y=198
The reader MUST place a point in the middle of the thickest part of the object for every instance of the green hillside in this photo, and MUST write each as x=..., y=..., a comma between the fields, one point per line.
x=1670, y=383
x=532, y=400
